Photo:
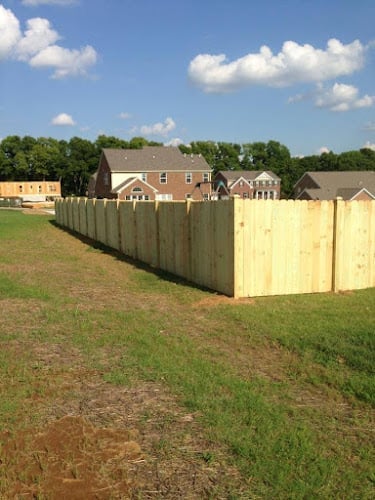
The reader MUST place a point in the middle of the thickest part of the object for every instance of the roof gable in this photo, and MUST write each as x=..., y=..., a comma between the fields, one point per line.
x=238, y=181
x=347, y=184
x=248, y=175
x=129, y=182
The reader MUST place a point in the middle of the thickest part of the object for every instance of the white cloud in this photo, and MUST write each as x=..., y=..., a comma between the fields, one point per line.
x=37, y=37
x=369, y=145
x=125, y=116
x=66, y=62
x=294, y=64
x=37, y=47
x=63, y=119
x=323, y=149
x=159, y=128
x=342, y=97
x=34, y=3
x=10, y=32
x=339, y=97
x=174, y=142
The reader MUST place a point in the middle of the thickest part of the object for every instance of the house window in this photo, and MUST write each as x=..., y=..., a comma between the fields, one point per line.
x=188, y=196
x=106, y=179
x=163, y=178
x=137, y=189
x=164, y=197
x=241, y=183
x=39, y=189
x=20, y=188
x=245, y=195
x=206, y=177
x=144, y=176
x=205, y=197
x=51, y=188
x=188, y=177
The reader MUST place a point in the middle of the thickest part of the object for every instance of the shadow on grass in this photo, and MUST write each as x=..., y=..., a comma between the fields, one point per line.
x=161, y=274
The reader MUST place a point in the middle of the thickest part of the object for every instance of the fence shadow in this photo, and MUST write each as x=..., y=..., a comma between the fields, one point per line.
x=161, y=274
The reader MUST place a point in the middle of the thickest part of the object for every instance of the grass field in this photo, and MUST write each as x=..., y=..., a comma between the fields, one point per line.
x=117, y=381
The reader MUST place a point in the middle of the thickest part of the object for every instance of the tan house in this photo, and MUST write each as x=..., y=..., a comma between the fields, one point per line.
x=151, y=173
x=350, y=185
x=31, y=190
x=248, y=184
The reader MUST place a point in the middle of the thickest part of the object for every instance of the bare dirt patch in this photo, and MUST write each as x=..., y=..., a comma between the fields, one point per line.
x=86, y=438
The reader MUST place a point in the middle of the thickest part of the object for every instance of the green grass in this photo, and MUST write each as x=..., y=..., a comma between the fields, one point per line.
x=284, y=384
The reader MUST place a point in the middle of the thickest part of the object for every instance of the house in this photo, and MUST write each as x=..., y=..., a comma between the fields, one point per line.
x=35, y=191
x=151, y=173
x=251, y=184
x=351, y=185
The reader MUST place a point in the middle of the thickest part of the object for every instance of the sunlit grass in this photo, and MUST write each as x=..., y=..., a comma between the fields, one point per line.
x=282, y=425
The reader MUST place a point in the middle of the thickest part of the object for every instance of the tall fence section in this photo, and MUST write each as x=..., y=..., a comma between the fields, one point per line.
x=242, y=248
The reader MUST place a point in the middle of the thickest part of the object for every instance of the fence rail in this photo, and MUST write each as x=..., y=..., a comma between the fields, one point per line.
x=241, y=248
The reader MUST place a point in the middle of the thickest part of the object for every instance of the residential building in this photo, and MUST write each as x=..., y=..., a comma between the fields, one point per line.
x=151, y=173
x=250, y=184
x=31, y=190
x=350, y=185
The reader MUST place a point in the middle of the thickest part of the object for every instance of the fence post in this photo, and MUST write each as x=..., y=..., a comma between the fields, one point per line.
x=157, y=234
x=337, y=263
x=188, y=250
x=238, y=247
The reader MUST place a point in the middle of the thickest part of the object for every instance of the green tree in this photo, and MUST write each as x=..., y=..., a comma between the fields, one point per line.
x=82, y=162
x=104, y=141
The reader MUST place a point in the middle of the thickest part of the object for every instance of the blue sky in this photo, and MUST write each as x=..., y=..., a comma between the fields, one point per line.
x=299, y=72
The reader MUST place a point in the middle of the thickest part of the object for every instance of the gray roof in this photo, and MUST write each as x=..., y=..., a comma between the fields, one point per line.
x=248, y=175
x=154, y=158
x=345, y=184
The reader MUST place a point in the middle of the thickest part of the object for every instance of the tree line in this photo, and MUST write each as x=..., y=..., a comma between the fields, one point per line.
x=73, y=162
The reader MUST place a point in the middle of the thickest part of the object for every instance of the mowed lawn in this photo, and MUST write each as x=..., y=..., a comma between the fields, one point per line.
x=268, y=397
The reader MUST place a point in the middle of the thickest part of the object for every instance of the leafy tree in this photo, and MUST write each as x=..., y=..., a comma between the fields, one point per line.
x=104, y=141
x=227, y=156
x=43, y=156
x=83, y=159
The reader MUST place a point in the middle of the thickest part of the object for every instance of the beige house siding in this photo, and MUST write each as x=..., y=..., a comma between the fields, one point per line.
x=30, y=189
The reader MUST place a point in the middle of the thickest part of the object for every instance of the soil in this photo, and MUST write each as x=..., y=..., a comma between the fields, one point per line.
x=95, y=440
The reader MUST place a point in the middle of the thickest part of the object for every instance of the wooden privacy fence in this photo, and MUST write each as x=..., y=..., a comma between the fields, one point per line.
x=242, y=248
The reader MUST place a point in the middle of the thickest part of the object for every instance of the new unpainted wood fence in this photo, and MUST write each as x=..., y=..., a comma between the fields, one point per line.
x=242, y=248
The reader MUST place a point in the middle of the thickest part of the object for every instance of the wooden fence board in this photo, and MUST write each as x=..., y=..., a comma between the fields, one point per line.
x=75, y=214
x=100, y=221
x=91, y=218
x=174, y=237
x=146, y=223
x=128, y=234
x=112, y=223
x=82, y=208
x=355, y=245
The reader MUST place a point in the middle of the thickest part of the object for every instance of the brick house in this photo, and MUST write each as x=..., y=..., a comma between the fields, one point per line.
x=251, y=184
x=351, y=185
x=151, y=173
